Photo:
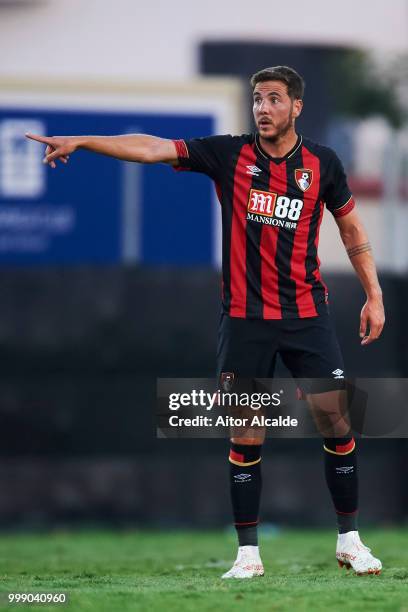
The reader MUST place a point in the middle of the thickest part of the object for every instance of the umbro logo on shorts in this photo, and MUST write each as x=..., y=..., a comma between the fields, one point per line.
x=338, y=373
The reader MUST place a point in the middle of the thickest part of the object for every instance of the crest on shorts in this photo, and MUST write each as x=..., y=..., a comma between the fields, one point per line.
x=304, y=178
x=227, y=381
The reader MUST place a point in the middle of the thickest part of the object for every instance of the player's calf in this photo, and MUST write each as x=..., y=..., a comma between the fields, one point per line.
x=341, y=476
x=340, y=460
x=245, y=487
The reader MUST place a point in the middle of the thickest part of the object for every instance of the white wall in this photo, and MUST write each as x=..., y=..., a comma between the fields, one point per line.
x=158, y=38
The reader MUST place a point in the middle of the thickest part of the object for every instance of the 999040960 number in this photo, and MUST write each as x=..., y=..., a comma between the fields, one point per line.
x=41, y=598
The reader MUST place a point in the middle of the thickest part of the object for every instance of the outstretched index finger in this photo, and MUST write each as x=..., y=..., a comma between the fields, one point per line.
x=43, y=139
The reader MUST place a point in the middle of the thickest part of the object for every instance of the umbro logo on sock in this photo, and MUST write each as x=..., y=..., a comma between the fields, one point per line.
x=347, y=469
x=338, y=373
x=242, y=477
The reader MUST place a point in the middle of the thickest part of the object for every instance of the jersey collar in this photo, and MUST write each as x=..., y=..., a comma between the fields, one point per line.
x=278, y=160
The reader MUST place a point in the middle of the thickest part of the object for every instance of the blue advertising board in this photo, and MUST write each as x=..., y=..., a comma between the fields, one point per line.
x=97, y=209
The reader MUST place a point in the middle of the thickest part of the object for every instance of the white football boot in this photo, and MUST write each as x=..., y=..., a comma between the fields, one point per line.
x=247, y=565
x=351, y=552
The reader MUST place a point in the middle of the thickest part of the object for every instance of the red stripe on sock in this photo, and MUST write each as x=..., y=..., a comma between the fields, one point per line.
x=242, y=524
x=349, y=513
x=236, y=456
x=345, y=448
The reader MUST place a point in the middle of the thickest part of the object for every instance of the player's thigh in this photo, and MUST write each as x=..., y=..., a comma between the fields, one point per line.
x=310, y=350
x=246, y=352
x=314, y=358
x=246, y=347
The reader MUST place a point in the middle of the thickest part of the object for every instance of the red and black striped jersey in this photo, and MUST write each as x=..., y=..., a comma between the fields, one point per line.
x=271, y=214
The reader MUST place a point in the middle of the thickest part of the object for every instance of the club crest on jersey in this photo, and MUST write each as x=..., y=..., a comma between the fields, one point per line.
x=304, y=178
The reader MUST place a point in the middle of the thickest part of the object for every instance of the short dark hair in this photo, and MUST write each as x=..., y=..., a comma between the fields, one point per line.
x=293, y=81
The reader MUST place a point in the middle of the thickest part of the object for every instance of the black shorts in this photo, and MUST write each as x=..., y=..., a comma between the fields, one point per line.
x=309, y=349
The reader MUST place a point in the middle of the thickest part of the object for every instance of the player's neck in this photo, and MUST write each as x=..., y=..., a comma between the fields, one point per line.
x=281, y=147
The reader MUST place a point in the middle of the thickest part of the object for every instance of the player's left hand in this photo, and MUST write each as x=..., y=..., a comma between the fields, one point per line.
x=372, y=320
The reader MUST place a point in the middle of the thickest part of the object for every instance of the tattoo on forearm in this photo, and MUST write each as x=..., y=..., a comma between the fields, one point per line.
x=358, y=249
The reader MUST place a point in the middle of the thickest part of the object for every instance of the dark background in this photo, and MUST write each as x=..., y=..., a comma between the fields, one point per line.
x=81, y=349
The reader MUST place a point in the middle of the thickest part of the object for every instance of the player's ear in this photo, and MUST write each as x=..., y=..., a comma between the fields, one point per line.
x=297, y=107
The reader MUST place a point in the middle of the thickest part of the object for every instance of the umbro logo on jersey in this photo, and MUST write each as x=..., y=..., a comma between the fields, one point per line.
x=304, y=178
x=253, y=170
x=338, y=373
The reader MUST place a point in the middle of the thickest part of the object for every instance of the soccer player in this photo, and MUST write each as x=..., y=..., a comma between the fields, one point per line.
x=273, y=186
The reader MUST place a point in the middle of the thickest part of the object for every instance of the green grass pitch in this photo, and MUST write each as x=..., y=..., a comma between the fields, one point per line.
x=165, y=571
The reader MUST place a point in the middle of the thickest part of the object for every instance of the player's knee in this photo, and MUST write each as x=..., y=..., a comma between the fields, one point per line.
x=330, y=412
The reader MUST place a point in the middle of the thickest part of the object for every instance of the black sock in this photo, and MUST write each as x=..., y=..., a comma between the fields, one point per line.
x=246, y=484
x=342, y=480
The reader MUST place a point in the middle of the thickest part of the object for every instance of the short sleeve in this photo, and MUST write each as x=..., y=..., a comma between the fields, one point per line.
x=338, y=197
x=208, y=155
